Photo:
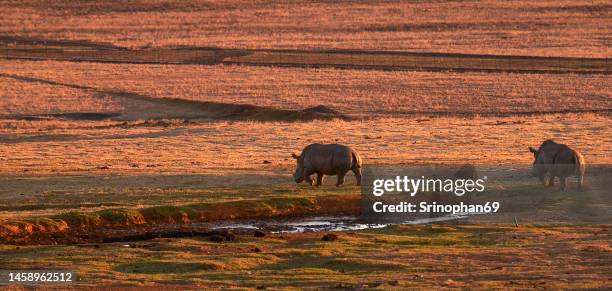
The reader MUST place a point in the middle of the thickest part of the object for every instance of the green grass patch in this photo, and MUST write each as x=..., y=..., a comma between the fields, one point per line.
x=163, y=267
x=121, y=216
x=78, y=219
x=333, y=263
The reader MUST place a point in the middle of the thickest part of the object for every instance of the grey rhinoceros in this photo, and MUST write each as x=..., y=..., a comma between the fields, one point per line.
x=327, y=159
x=557, y=160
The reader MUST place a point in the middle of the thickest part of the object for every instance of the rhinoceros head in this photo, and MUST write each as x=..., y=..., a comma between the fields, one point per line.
x=538, y=169
x=299, y=168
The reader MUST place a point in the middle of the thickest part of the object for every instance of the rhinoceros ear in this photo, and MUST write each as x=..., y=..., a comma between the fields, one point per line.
x=294, y=156
x=533, y=150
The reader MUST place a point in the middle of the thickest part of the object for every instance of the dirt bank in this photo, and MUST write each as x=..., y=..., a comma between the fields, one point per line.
x=75, y=226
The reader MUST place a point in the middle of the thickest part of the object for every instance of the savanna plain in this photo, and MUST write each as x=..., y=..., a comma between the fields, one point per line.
x=97, y=152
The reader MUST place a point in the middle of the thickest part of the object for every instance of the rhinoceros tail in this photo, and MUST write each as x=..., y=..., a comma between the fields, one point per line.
x=356, y=160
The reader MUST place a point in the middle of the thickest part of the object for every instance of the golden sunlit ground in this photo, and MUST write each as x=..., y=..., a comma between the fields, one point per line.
x=548, y=28
x=154, y=129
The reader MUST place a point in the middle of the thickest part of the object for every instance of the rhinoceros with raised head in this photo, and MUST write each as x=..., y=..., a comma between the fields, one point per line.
x=557, y=160
x=326, y=159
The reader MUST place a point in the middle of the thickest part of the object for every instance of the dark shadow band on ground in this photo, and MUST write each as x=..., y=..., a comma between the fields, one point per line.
x=14, y=47
x=197, y=109
x=190, y=110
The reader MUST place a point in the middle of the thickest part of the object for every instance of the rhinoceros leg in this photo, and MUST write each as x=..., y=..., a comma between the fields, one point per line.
x=542, y=178
x=551, y=180
x=307, y=173
x=357, y=172
x=580, y=181
x=562, y=183
x=341, y=175
x=319, y=178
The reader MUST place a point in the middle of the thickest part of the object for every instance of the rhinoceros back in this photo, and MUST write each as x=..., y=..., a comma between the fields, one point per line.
x=329, y=158
x=564, y=159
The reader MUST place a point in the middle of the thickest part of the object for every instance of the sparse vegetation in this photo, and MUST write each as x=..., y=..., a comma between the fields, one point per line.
x=90, y=150
x=394, y=257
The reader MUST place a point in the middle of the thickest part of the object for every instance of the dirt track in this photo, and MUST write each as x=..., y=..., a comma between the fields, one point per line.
x=12, y=47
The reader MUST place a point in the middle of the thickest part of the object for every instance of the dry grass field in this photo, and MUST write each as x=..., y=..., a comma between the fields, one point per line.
x=244, y=145
x=353, y=92
x=131, y=118
x=20, y=98
x=89, y=161
x=547, y=28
